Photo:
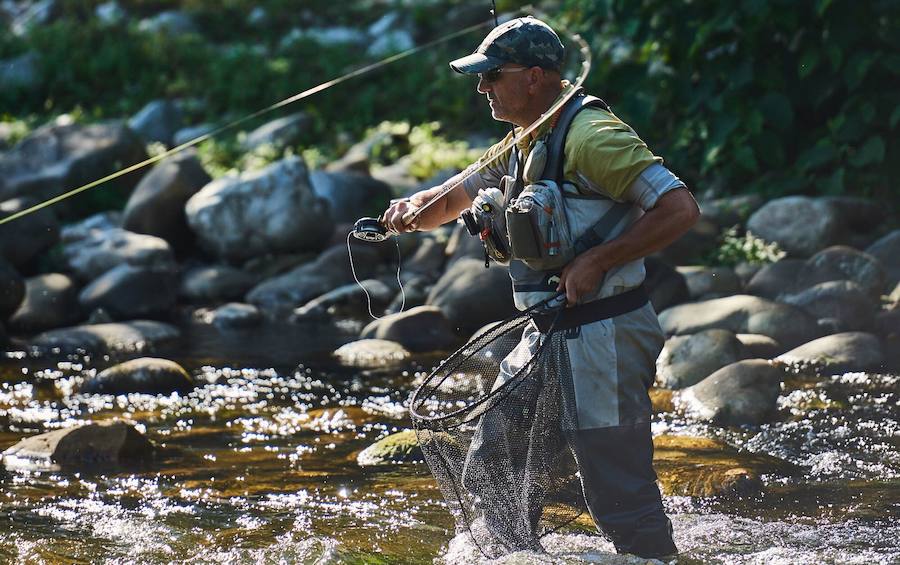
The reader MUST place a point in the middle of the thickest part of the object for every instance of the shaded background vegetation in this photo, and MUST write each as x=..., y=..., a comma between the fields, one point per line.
x=771, y=96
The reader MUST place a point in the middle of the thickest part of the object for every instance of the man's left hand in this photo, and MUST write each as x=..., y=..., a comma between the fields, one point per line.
x=582, y=275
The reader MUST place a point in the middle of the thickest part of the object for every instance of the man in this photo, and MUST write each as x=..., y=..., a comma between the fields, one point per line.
x=612, y=177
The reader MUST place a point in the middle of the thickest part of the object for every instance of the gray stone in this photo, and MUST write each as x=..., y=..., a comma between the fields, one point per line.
x=800, y=225
x=775, y=279
x=235, y=315
x=739, y=394
x=101, y=251
x=273, y=210
x=746, y=271
x=215, y=283
x=844, y=263
x=758, y=346
x=88, y=446
x=56, y=158
x=399, y=447
x=22, y=72
x=742, y=313
x=693, y=246
x=703, y=281
x=351, y=196
x=887, y=251
x=128, y=292
x=90, y=226
x=839, y=353
x=12, y=289
x=731, y=210
x=157, y=121
x=191, y=133
x=349, y=299
x=471, y=296
x=428, y=259
x=156, y=206
x=843, y=302
x=278, y=134
x=666, y=286
x=148, y=375
x=687, y=360
x=51, y=301
x=127, y=337
x=371, y=353
x=171, y=22
x=461, y=245
x=423, y=328
x=24, y=238
x=858, y=214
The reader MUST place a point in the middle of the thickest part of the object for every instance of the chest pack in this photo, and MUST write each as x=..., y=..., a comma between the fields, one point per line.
x=534, y=219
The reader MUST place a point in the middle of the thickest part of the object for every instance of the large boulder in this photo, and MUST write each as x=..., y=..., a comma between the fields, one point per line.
x=428, y=258
x=56, y=158
x=742, y=313
x=156, y=206
x=12, y=289
x=665, y=285
x=215, y=283
x=844, y=263
x=775, y=279
x=101, y=251
x=51, y=301
x=267, y=211
x=24, y=238
x=157, y=121
x=471, y=296
x=730, y=210
x=81, y=447
x=758, y=346
x=887, y=251
x=840, y=306
x=350, y=195
x=738, y=394
x=800, y=225
x=127, y=292
x=687, y=360
x=399, y=447
x=423, y=328
x=371, y=353
x=98, y=339
x=351, y=299
x=839, y=353
x=234, y=315
x=148, y=375
x=278, y=134
x=705, y=281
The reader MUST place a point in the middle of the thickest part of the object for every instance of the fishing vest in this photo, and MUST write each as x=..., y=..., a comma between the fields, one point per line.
x=592, y=219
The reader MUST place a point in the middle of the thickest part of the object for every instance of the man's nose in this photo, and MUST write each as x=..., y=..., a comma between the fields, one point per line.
x=483, y=86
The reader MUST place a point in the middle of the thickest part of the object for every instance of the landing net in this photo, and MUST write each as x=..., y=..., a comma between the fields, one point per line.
x=493, y=421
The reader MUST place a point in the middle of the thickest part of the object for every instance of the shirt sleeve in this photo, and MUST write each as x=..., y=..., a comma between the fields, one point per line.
x=495, y=166
x=653, y=182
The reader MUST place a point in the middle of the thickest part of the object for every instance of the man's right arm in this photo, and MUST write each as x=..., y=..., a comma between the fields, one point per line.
x=445, y=209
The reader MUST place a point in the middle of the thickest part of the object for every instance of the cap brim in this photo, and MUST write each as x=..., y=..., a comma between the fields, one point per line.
x=476, y=63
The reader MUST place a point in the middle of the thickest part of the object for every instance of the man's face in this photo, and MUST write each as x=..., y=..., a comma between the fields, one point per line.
x=507, y=92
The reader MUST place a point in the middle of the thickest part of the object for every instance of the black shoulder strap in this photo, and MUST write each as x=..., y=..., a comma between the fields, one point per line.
x=557, y=141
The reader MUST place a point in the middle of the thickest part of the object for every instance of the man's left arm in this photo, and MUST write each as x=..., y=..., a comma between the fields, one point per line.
x=673, y=214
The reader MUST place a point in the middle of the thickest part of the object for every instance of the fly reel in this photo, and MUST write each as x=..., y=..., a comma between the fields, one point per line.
x=369, y=229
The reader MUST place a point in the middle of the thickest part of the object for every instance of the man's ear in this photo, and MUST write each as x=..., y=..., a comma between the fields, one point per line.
x=535, y=78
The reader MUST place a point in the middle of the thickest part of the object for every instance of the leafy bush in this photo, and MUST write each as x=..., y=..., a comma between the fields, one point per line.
x=770, y=96
x=744, y=248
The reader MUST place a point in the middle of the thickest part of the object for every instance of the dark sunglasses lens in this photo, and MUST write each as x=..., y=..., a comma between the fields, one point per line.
x=490, y=76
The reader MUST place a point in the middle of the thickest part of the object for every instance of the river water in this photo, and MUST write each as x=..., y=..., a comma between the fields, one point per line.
x=261, y=468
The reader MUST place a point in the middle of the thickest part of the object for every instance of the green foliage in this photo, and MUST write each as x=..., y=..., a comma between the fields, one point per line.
x=735, y=248
x=772, y=96
x=426, y=150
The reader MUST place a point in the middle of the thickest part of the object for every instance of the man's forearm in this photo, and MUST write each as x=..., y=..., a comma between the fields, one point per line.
x=446, y=209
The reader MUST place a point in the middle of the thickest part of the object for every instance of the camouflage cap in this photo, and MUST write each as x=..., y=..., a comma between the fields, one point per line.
x=527, y=41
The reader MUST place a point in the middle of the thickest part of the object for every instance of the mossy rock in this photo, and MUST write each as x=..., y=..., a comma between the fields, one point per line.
x=400, y=447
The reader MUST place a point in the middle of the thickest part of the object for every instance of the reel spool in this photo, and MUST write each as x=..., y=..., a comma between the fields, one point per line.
x=369, y=229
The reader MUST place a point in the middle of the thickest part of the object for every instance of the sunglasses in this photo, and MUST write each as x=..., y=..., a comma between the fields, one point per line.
x=493, y=75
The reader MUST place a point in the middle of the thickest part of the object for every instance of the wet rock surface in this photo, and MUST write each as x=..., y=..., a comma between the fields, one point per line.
x=99, y=251
x=215, y=283
x=51, y=301
x=839, y=353
x=235, y=315
x=423, y=328
x=738, y=394
x=136, y=335
x=24, y=239
x=400, y=447
x=687, y=360
x=148, y=375
x=127, y=292
x=370, y=353
x=799, y=224
x=83, y=447
x=471, y=296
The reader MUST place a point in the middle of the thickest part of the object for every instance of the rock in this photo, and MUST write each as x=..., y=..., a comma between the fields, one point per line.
x=746, y=271
x=92, y=225
x=235, y=315
x=278, y=134
x=461, y=245
x=126, y=337
x=331, y=269
x=51, y=301
x=758, y=346
x=800, y=225
x=738, y=394
x=775, y=279
x=423, y=328
x=887, y=251
x=687, y=360
x=156, y=206
x=157, y=121
x=400, y=447
x=844, y=263
x=56, y=158
x=471, y=296
x=100, y=252
x=127, y=292
x=703, y=281
x=742, y=313
x=215, y=283
x=147, y=375
x=371, y=353
x=351, y=196
x=666, y=286
x=415, y=293
x=267, y=211
x=87, y=446
x=350, y=299
x=12, y=289
x=428, y=259
x=22, y=72
x=844, y=303
x=171, y=22
x=191, y=133
x=23, y=239
x=858, y=214
x=731, y=210
x=661, y=400
x=839, y=353
x=693, y=246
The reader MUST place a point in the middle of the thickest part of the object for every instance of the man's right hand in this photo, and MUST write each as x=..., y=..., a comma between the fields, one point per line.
x=393, y=217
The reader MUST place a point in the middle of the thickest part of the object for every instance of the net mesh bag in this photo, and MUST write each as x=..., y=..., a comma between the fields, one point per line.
x=493, y=421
